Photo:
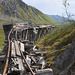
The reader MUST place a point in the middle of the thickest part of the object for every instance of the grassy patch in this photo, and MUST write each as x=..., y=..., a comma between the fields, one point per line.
x=2, y=37
x=56, y=42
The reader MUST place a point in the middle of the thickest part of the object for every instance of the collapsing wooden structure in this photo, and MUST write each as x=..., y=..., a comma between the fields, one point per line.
x=23, y=58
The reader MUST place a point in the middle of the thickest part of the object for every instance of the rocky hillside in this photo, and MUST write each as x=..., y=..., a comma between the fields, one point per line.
x=56, y=42
x=65, y=62
x=17, y=10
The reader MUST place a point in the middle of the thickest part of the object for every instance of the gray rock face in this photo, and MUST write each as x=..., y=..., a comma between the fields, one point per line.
x=65, y=62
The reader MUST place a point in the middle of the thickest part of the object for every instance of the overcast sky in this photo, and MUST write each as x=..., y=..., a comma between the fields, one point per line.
x=51, y=7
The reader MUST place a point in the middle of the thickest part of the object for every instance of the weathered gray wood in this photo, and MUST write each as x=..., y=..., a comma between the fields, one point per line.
x=45, y=72
x=33, y=58
x=37, y=66
x=13, y=54
x=26, y=35
x=19, y=58
x=22, y=47
x=2, y=58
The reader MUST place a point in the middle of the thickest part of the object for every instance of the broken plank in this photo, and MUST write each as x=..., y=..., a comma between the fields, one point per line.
x=19, y=58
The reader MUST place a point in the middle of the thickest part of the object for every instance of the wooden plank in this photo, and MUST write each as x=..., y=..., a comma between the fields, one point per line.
x=19, y=58
x=22, y=47
x=13, y=54
x=45, y=72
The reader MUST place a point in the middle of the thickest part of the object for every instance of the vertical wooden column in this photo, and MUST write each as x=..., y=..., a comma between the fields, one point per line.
x=46, y=31
x=40, y=33
x=31, y=35
x=26, y=35
x=22, y=35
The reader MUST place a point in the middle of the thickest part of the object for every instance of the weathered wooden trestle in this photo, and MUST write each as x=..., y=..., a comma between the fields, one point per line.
x=23, y=58
x=34, y=33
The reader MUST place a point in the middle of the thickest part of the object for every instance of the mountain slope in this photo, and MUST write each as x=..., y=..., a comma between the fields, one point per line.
x=18, y=9
x=57, y=18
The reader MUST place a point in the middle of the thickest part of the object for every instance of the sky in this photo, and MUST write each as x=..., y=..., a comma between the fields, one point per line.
x=52, y=7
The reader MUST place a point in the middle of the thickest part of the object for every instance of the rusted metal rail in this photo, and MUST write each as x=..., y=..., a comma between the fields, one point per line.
x=24, y=57
x=8, y=55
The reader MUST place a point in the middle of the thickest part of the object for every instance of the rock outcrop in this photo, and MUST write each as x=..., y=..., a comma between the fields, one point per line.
x=65, y=62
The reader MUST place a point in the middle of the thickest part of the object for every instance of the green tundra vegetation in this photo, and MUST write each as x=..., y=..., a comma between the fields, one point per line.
x=56, y=42
x=2, y=37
